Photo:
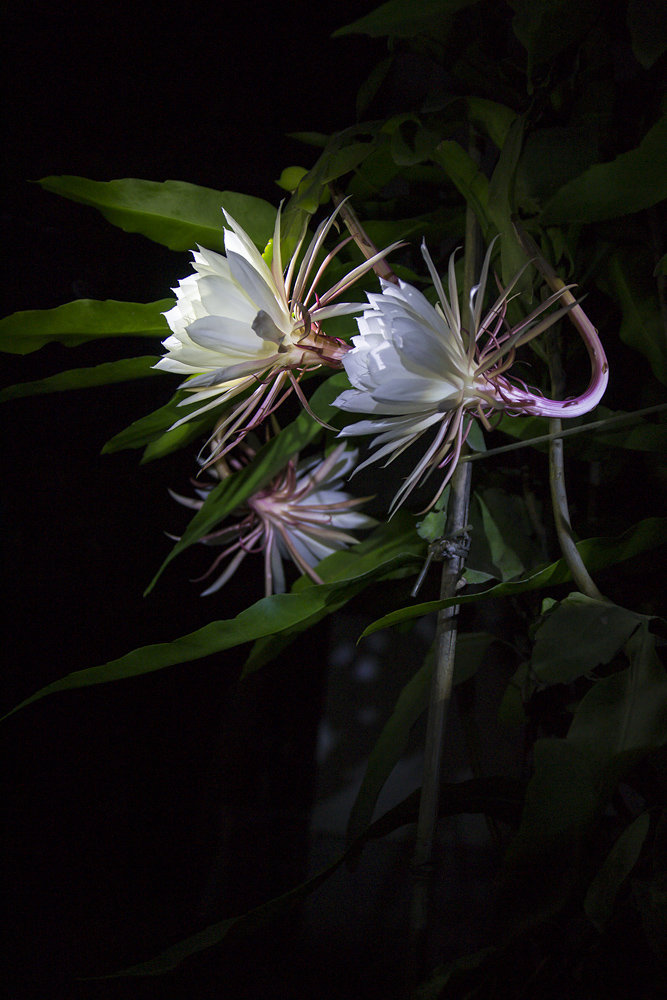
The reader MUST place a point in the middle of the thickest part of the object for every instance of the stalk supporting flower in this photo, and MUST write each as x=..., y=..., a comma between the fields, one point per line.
x=241, y=324
x=415, y=367
x=302, y=515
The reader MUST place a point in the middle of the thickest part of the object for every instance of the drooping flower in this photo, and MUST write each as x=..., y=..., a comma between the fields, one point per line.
x=303, y=516
x=416, y=367
x=240, y=323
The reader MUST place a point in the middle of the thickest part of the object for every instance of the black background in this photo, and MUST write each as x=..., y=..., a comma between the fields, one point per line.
x=141, y=811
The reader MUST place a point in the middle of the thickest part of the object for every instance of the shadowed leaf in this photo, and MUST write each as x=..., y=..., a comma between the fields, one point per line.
x=410, y=706
x=84, y=378
x=633, y=181
x=80, y=321
x=175, y=213
x=599, y=628
x=618, y=864
x=597, y=553
x=400, y=20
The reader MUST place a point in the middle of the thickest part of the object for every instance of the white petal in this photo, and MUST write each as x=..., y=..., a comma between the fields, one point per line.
x=222, y=297
x=237, y=241
x=261, y=293
x=227, y=337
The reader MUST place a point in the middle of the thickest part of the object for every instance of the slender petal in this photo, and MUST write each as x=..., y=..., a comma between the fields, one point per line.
x=302, y=516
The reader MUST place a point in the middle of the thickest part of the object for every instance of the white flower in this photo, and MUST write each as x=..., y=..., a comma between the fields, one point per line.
x=241, y=324
x=415, y=367
x=302, y=515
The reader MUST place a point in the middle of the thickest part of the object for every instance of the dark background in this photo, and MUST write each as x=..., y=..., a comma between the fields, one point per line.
x=141, y=811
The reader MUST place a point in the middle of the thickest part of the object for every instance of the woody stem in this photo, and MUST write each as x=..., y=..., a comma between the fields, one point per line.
x=443, y=673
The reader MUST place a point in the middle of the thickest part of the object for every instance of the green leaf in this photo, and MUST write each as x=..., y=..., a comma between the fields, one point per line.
x=578, y=635
x=231, y=492
x=80, y=321
x=371, y=85
x=412, y=703
x=216, y=933
x=501, y=205
x=432, y=526
x=154, y=427
x=342, y=161
x=641, y=325
x=270, y=616
x=648, y=30
x=599, y=901
x=551, y=158
x=500, y=519
x=446, y=975
x=174, y=213
x=641, y=436
x=650, y=897
x=84, y=378
x=385, y=231
x=291, y=177
x=562, y=799
x=468, y=178
x=496, y=119
x=633, y=181
x=511, y=711
x=497, y=796
x=597, y=553
x=394, y=545
x=546, y=27
x=400, y=20
x=340, y=155
x=627, y=710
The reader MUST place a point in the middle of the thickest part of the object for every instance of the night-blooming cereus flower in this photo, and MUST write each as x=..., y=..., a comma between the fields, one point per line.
x=303, y=515
x=241, y=324
x=415, y=367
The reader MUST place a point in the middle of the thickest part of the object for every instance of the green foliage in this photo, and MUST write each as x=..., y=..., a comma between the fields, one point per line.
x=599, y=629
x=626, y=711
x=84, y=378
x=597, y=553
x=400, y=21
x=609, y=190
x=495, y=797
x=411, y=705
x=153, y=431
x=175, y=213
x=641, y=326
x=393, y=545
x=503, y=540
x=599, y=901
x=80, y=321
x=546, y=27
x=648, y=31
x=389, y=551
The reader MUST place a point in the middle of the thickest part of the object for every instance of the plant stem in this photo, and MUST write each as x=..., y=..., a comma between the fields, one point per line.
x=360, y=237
x=561, y=509
x=618, y=420
x=454, y=556
x=441, y=688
